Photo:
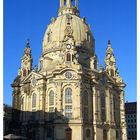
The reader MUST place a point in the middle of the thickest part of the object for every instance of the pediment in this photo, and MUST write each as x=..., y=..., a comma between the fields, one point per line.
x=32, y=75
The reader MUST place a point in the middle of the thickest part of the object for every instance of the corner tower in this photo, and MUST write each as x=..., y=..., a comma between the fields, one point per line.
x=110, y=61
x=26, y=61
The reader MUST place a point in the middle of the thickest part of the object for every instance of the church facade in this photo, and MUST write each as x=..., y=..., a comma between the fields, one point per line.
x=67, y=97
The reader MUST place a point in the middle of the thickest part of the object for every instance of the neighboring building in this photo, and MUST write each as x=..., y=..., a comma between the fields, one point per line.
x=131, y=120
x=67, y=97
x=7, y=118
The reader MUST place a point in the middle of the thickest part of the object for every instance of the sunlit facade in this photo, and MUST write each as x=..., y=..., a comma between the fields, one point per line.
x=67, y=97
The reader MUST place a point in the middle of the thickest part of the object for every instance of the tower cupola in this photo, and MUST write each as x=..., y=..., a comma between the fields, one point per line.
x=68, y=6
x=26, y=62
x=110, y=61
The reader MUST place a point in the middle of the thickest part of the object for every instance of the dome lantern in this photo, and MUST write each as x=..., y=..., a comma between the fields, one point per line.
x=68, y=6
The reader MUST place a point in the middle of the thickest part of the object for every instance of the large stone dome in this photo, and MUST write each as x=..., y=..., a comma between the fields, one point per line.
x=56, y=31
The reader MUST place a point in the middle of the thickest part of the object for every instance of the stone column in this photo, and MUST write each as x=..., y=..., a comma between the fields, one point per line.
x=112, y=108
x=28, y=110
x=76, y=3
x=61, y=3
x=59, y=97
x=98, y=105
x=94, y=105
x=122, y=116
x=41, y=103
x=26, y=102
x=107, y=101
x=95, y=110
x=77, y=100
x=108, y=109
x=68, y=3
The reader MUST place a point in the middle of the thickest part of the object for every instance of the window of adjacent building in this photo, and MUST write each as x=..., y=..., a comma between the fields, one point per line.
x=68, y=95
x=34, y=100
x=88, y=133
x=68, y=57
x=51, y=98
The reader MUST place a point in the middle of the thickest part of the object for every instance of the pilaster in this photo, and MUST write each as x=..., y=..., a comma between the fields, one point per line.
x=122, y=116
x=108, y=108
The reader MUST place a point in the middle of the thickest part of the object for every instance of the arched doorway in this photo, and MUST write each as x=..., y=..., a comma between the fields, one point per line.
x=68, y=133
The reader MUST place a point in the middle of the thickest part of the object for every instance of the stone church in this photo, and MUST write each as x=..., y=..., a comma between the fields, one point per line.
x=67, y=96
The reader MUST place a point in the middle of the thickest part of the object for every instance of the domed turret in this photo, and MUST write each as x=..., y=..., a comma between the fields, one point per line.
x=67, y=40
x=68, y=22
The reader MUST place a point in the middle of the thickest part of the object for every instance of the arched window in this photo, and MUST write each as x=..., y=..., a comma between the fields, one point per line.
x=34, y=100
x=51, y=98
x=68, y=57
x=68, y=111
x=88, y=134
x=68, y=103
x=68, y=95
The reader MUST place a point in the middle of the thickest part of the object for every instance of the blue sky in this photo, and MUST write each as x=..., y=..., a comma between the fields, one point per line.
x=109, y=19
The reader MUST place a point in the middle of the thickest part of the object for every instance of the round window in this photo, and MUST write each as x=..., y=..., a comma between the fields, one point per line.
x=68, y=75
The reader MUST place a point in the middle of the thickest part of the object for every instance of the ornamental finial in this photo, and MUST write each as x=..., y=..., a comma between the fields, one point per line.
x=109, y=42
x=28, y=43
